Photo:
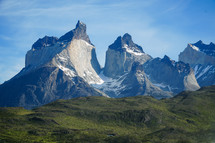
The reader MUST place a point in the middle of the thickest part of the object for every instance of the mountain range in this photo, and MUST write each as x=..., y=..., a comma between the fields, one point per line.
x=67, y=67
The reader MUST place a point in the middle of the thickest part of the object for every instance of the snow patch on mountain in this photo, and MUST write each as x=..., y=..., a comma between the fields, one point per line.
x=111, y=85
x=131, y=50
x=206, y=69
x=195, y=48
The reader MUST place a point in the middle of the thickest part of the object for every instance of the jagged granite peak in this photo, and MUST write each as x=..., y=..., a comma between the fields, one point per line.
x=198, y=53
x=61, y=70
x=125, y=43
x=121, y=55
x=201, y=58
x=44, y=42
x=76, y=57
x=167, y=60
x=172, y=76
x=208, y=49
x=78, y=33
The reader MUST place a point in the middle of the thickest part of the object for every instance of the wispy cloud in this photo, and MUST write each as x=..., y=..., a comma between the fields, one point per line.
x=161, y=27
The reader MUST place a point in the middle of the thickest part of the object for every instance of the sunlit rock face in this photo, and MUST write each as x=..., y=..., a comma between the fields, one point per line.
x=121, y=55
x=198, y=53
x=55, y=69
x=201, y=57
x=73, y=53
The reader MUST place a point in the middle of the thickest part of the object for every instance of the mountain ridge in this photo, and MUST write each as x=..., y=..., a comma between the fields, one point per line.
x=128, y=71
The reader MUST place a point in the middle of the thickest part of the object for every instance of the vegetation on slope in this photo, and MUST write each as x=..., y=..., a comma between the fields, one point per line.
x=188, y=117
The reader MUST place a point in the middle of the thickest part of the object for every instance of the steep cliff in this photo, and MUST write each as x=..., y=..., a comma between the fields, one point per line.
x=121, y=55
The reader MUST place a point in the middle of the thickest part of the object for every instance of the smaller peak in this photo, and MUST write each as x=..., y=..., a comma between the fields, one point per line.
x=211, y=43
x=127, y=36
x=166, y=57
x=128, y=39
x=80, y=25
x=200, y=42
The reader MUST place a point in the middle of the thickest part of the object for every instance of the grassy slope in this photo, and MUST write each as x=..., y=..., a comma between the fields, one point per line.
x=188, y=117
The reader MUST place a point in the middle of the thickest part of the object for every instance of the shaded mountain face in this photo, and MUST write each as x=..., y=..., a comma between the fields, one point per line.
x=55, y=69
x=42, y=86
x=170, y=75
x=133, y=83
x=201, y=57
x=205, y=74
x=121, y=55
x=44, y=42
x=73, y=53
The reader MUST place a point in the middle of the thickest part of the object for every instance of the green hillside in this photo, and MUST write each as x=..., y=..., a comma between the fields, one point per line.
x=188, y=117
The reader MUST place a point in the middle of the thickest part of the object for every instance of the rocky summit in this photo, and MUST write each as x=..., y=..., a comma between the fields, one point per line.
x=67, y=67
x=121, y=55
x=201, y=57
x=55, y=69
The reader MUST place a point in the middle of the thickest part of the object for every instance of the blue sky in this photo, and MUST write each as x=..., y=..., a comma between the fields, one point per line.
x=159, y=26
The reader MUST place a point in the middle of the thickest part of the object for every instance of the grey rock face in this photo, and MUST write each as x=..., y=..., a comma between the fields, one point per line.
x=137, y=83
x=198, y=55
x=42, y=86
x=44, y=42
x=121, y=55
x=170, y=75
x=78, y=33
x=207, y=49
x=132, y=83
x=201, y=57
x=54, y=70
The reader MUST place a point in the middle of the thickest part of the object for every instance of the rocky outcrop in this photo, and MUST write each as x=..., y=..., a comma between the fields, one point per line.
x=121, y=55
x=198, y=53
x=72, y=52
x=78, y=33
x=201, y=57
x=55, y=69
x=170, y=75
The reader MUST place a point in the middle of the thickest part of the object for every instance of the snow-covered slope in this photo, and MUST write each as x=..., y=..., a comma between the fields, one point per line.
x=205, y=74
